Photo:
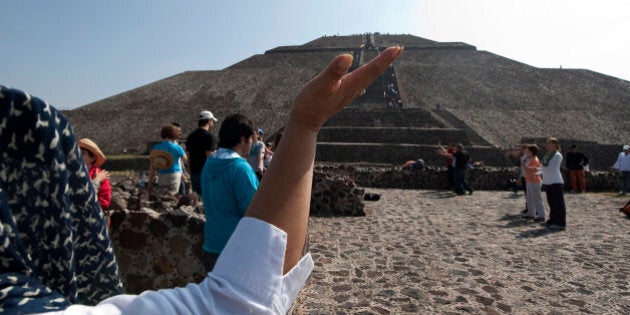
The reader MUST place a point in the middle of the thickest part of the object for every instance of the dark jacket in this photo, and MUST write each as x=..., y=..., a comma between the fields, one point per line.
x=576, y=160
x=461, y=159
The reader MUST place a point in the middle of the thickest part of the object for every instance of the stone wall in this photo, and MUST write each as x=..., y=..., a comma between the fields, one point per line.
x=335, y=195
x=158, y=242
x=397, y=154
x=157, y=250
x=484, y=178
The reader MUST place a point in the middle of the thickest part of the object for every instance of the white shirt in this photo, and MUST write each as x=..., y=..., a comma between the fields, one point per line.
x=247, y=279
x=623, y=162
x=551, y=173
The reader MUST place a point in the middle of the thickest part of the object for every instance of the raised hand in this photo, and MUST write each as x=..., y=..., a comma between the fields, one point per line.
x=334, y=88
x=283, y=197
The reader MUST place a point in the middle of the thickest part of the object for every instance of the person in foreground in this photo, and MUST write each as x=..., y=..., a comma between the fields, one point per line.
x=54, y=246
x=262, y=269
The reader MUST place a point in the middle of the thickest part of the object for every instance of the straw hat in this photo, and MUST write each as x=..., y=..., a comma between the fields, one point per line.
x=161, y=160
x=89, y=145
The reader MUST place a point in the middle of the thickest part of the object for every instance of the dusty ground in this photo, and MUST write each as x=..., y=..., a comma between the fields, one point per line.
x=428, y=252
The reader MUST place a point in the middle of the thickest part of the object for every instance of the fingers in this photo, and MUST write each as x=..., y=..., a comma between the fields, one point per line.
x=327, y=81
x=363, y=76
x=337, y=68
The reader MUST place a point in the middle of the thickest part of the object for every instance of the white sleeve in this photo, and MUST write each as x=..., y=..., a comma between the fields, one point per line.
x=555, y=163
x=617, y=164
x=247, y=279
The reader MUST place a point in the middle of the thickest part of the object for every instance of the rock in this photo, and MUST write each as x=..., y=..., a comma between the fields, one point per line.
x=118, y=202
x=132, y=240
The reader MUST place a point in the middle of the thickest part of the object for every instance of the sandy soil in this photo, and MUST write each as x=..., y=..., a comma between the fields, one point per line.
x=430, y=252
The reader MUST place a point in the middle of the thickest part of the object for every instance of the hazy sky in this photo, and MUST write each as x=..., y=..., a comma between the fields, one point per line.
x=74, y=52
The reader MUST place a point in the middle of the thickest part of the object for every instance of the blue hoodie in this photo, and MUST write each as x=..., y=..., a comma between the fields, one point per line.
x=228, y=184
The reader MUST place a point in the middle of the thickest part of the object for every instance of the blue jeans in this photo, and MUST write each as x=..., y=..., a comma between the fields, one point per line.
x=461, y=183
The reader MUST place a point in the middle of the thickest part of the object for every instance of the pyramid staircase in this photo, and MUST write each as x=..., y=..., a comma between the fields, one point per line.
x=370, y=130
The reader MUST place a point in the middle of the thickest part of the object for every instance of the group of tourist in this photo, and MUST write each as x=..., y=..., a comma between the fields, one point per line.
x=226, y=174
x=393, y=96
x=545, y=176
x=57, y=256
x=457, y=163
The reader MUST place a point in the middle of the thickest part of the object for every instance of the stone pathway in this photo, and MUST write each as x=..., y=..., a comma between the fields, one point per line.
x=429, y=252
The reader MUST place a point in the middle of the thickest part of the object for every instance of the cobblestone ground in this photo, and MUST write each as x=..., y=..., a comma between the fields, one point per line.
x=429, y=252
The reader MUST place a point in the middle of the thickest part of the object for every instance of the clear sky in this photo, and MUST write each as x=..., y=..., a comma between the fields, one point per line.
x=74, y=52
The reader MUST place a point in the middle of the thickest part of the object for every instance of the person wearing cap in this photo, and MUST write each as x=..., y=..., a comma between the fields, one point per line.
x=623, y=165
x=200, y=144
x=576, y=161
x=93, y=158
x=170, y=173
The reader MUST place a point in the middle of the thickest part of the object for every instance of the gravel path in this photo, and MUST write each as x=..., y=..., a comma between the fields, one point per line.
x=428, y=252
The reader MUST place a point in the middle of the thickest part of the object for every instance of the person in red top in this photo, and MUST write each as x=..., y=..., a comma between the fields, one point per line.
x=93, y=158
x=448, y=156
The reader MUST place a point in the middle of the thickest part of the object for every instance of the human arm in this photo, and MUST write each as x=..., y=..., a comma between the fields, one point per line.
x=283, y=198
x=212, y=146
x=555, y=163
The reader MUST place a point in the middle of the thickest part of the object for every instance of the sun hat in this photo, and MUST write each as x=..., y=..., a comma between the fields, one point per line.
x=161, y=160
x=89, y=145
x=626, y=147
x=206, y=114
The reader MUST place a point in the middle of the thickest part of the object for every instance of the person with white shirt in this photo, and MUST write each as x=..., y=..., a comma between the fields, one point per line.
x=261, y=269
x=623, y=166
x=553, y=185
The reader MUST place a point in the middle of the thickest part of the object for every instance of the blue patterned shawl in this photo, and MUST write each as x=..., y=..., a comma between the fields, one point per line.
x=54, y=246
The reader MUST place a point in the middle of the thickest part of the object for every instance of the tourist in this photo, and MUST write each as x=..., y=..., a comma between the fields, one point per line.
x=553, y=184
x=533, y=181
x=200, y=144
x=256, y=156
x=55, y=247
x=169, y=175
x=450, y=166
x=521, y=181
x=576, y=161
x=623, y=166
x=262, y=267
x=461, y=166
x=228, y=184
x=93, y=158
x=182, y=183
x=417, y=165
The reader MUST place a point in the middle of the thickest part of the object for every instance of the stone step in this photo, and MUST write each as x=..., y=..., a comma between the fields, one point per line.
x=374, y=117
x=394, y=135
x=400, y=153
x=368, y=105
